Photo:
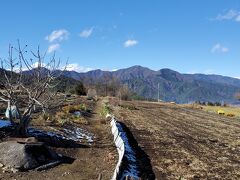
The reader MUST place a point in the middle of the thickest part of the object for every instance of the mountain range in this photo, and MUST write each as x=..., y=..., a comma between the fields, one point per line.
x=172, y=85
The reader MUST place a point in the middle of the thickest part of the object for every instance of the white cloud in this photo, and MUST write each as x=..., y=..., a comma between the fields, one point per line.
x=130, y=42
x=238, y=18
x=114, y=70
x=77, y=68
x=53, y=47
x=108, y=69
x=86, y=33
x=57, y=35
x=35, y=65
x=229, y=15
x=218, y=48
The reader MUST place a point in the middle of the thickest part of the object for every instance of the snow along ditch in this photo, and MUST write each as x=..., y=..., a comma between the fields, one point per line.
x=73, y=133
x=133, y=161
x=70, y=133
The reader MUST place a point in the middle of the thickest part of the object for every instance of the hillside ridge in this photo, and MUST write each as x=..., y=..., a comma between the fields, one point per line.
x=173, y=86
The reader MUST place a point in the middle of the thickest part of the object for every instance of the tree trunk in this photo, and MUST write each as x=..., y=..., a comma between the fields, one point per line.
x=21, y=129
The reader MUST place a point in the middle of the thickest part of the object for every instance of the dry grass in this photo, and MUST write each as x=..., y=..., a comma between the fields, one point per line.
x=73, y=108
x=63, y=117
x=128, y=106
x=105, y=110
x=228, y=111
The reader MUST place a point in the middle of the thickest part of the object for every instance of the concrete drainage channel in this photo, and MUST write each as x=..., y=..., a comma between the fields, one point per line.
x=133, y=161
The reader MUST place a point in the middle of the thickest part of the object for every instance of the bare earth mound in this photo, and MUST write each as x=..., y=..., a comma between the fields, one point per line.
x=184, y=143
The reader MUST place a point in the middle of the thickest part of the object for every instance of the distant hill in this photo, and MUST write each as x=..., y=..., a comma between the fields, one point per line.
x=66, y=82
x=174, y=86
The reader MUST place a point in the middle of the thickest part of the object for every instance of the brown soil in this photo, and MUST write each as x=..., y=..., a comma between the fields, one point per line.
x=182, y=142
x=100, y=157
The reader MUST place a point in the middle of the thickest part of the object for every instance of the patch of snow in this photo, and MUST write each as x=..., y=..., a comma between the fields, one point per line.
x=40, y=133
x=77, y=134
x=129, y=154
x=73, y=133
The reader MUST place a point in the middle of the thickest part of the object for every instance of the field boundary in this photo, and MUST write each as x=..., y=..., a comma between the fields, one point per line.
x=133, y=162
x=118, y=143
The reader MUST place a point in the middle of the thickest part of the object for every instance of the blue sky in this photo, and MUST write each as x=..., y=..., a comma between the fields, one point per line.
x=189, y=36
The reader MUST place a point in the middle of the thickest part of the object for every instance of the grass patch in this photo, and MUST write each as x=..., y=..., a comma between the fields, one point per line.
x=67, y=115
x=74, y=108
x=105, y=110
x=62, y=118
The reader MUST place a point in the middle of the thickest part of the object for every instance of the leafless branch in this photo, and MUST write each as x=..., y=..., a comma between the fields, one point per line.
x=35, y=84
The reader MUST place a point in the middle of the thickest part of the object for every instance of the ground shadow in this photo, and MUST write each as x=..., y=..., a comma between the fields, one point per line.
x=141, y=160
x=54, y=140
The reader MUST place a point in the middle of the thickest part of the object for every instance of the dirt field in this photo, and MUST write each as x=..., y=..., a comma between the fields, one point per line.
x=184, y=143
x=100, y=157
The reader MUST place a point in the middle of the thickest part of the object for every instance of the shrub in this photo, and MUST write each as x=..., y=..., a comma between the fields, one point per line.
x=225, y=105
x=63, y=118
x=230, y=115
x=80, y=89
x=73, y=108
x=124, y=93
x=82, y=107
x=92, y=94
x=198, y=102
x=43, y=118
x=217, y=104
x=210, y=103
x=237, y=95
x=203, y=103
x=135, y=96
x=105, y=110
x=71, y=91
x=68, y=109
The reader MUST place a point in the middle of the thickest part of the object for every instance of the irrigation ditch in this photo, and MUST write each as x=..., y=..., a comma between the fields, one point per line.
x=133, y=161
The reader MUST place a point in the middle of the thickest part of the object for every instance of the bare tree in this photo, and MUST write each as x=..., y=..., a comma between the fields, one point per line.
x=23, y=90
x=92, y=93
x=237, y=95
x=107, y=85
x=124, y=93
